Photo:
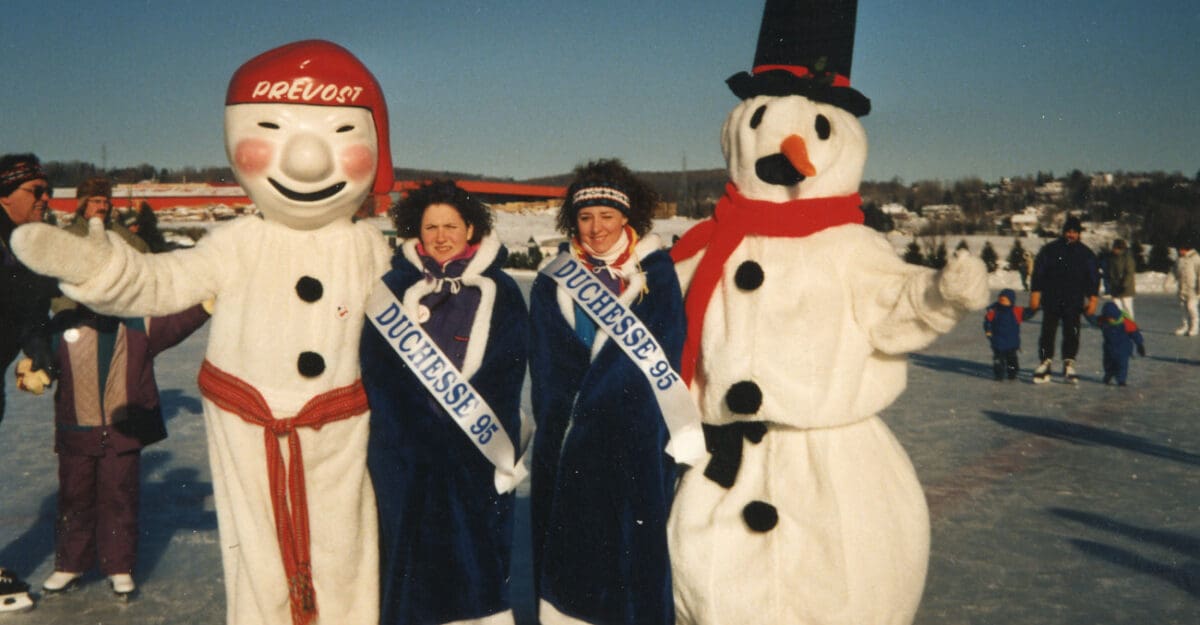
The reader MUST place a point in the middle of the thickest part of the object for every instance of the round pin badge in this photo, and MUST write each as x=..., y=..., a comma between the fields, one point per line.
x=422, y=313
x=71, y=335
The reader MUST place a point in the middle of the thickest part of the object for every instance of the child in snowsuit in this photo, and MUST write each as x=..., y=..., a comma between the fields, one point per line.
x=1002, y=325
x=1121, y=335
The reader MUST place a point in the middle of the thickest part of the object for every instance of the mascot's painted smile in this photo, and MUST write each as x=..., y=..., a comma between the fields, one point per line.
x=315, y=196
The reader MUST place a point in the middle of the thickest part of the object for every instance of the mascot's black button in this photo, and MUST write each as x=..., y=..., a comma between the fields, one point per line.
x=744, y=398
x=760, y=516
x=309, y=289
x=310, y=364
x=749, y=276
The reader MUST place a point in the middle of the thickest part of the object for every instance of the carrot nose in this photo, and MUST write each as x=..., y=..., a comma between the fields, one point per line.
x=796, y=152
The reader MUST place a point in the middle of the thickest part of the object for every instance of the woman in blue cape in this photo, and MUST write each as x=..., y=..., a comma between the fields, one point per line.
x=445, y=532
x=602, y=484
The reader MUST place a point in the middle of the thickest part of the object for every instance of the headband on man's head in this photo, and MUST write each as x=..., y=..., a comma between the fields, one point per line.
x=19, y=173
x=600, y=195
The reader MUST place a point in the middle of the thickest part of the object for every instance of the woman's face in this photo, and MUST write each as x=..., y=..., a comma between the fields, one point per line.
x=600, y=227
x=444, y=233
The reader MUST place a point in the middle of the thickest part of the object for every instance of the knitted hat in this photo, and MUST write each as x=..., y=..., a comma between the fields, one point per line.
x=1072, y=223
x=17, y=169
x=805, y=47
x=319, y=73
x=599, y=194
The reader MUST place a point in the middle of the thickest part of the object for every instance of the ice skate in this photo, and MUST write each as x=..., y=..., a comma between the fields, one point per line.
x=60, y=582
x=122, y=585
x=1041, y=375
x=14, y=593
x=1069, y=375
x=1181, y=331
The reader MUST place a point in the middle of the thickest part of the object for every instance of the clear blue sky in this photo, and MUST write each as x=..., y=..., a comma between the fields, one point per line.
x=525, y=88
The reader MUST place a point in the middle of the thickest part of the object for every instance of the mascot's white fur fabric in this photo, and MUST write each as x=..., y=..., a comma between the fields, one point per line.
x=807, y=510
x=284, y=408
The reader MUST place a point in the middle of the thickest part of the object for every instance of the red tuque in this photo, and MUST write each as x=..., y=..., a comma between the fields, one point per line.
x=736, y=217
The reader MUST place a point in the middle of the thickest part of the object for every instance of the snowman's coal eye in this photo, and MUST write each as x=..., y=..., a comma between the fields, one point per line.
x=756, y=119
x=268, y=125
x=346, y=128
x=822, y=126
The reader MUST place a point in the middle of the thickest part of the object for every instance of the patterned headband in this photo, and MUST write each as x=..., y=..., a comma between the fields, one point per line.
x=601, y=196
x=19, y=173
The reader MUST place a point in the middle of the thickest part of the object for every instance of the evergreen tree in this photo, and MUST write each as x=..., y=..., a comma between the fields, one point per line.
x=1160, y=259
x=937, y=259
x=962, y=245
x=913, y=255
x=1016, y=256
x=989, y=257
x=1139, y=256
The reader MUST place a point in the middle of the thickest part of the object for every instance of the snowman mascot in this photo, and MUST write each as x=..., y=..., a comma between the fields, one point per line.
x=807, y=509
x=306, y=132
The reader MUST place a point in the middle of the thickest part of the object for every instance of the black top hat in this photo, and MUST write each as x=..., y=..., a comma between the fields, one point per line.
x=805, y=48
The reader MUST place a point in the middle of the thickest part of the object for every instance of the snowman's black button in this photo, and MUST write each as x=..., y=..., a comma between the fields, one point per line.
x=310, y=364
x=309, y=289
x=760, y=516
x=749, y=276
x=744, y=397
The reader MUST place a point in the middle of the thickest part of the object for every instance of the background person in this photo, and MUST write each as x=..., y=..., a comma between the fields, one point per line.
x=602, y=484
x=1121, y=276
x=106, y=410
x=1065, y=284
x=1187, y=275
x=445, y=532
x=24, y=302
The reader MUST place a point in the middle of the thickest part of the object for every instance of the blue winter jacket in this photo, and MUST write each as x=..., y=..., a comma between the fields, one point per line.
x=1003, y=323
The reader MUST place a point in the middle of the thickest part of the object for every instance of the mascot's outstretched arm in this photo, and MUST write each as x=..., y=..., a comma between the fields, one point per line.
x=925, y=304
x=54, y=252
x=105, y=273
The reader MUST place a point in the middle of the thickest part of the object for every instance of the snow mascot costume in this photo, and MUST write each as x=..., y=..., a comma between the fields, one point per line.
x=807, y=510
x=306, y=132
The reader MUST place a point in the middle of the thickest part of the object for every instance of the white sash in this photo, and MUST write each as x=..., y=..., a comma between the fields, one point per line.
x=626, y=330
x=452, y=390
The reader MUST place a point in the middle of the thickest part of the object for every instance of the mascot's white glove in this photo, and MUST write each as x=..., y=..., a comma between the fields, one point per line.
x=29, y=380
x=50, y=251
x=963, y=282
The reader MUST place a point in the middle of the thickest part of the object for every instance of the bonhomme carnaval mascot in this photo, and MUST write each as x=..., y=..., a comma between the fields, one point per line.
x=306, y=132
x=807, y=510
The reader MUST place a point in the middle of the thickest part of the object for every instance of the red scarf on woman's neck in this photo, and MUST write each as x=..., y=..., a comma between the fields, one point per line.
x=736, y=217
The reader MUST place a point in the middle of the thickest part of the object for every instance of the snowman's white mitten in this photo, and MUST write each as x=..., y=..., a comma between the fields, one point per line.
x=963, y=282
x=72, y=259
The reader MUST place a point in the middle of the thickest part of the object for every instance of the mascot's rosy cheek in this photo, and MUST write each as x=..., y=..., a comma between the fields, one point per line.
x=358, y=161
x=251, y=156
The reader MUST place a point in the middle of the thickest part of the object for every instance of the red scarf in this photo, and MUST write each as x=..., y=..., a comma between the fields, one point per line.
x=736, y=217
x=581, y=253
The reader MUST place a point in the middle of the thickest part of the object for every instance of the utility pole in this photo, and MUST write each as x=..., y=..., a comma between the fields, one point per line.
x=684, y=199
x=104, y=159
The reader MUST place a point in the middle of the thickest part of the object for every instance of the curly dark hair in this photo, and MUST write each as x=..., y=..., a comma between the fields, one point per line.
x=406, y=214
x=610, y=172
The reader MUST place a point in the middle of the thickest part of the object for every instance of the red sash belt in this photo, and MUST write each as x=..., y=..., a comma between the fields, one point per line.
x=237, y=396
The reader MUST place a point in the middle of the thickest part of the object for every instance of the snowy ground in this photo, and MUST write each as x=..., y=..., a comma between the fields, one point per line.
x=1050, y=504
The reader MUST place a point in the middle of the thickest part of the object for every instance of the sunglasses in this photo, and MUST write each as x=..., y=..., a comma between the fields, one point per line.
x=37, y=192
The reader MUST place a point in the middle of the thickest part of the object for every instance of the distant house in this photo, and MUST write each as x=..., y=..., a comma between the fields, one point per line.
x=1052, y=189
x=1025, y=223
x=941, y=212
